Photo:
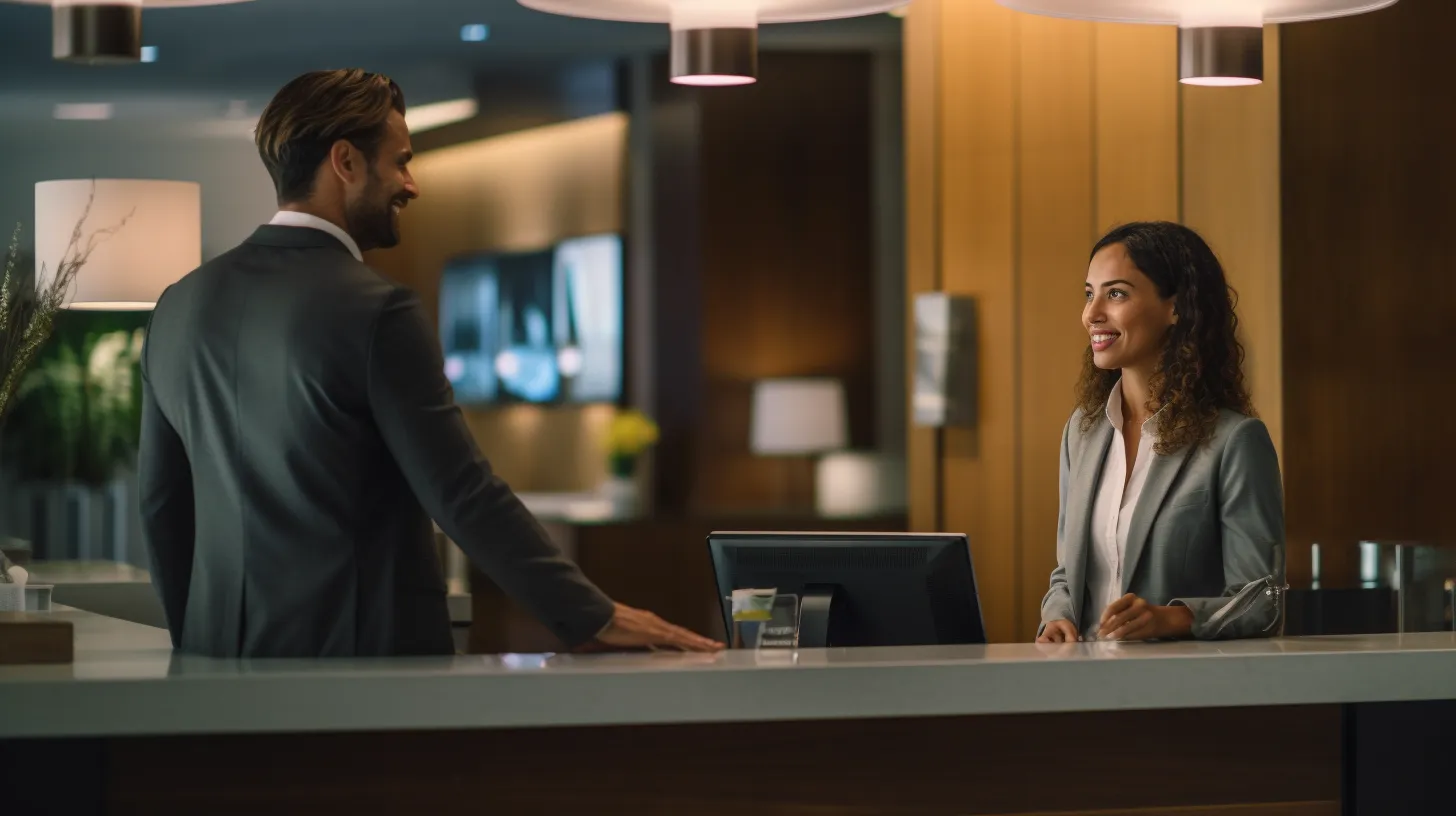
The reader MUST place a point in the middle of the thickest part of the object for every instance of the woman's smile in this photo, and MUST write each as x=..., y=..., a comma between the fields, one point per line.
x=1103, y=339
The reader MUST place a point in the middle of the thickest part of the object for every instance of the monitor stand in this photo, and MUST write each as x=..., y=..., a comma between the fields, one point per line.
x=816, y=607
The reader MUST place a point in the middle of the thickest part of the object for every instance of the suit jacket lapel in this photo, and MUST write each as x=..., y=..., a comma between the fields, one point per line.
x=1086, y=478
x=1161, y=473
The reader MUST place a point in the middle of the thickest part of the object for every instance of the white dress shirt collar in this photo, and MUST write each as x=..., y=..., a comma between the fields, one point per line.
x=1115, y=415
x=288, y=218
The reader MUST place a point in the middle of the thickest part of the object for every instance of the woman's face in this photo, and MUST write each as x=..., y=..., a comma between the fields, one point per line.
x=1125, y=317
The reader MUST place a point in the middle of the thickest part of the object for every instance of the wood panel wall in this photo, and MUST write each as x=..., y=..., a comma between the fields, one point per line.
x=1027, y=138
x=765, y=268
x=922, y=77
x=1369, y=336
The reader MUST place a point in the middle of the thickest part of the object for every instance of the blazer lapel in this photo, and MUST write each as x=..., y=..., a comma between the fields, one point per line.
x=1081, y=492
x=1161, y=473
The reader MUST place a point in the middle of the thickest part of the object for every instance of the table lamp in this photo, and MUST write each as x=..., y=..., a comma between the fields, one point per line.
x=160, y=242
x=856, y=484
x=798, y=417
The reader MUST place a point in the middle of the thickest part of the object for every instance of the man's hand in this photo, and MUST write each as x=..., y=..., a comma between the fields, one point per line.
x=1132, y=618
x=635, y=628
x=1058, y=631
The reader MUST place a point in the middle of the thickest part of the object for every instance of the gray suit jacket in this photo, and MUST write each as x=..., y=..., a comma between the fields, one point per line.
x=298, y=435
x=1207, y=533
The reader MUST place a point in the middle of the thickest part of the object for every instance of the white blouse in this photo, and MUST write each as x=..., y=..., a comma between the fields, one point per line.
x=1112, y=514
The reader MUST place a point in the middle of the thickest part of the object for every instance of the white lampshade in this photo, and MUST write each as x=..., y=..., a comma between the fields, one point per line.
x=849, y=484
x=1220, y=42
x=799, y=416
x=1198, y=12
x=714, y=42
x=160, y=242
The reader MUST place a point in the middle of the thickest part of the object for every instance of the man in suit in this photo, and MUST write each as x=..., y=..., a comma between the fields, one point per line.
x=299, y=434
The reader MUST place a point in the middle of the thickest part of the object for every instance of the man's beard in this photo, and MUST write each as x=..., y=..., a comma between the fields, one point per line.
x=372, y=223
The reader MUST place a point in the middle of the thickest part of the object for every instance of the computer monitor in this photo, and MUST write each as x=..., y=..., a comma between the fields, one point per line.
x=858, y=589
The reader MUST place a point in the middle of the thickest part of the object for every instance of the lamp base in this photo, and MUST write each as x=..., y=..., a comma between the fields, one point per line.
x=714, y=56
x=97, y=34
x=1221, y=56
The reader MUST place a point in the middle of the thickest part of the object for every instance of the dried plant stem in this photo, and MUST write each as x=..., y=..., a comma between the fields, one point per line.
x=28, y=316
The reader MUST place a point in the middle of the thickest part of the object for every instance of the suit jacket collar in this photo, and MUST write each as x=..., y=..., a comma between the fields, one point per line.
x=1081, y=492
x=272, y=235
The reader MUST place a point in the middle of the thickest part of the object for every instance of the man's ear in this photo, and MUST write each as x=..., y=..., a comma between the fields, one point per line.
x=345, y=160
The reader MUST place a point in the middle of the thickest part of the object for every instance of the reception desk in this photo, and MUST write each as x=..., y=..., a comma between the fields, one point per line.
x=1251, y=727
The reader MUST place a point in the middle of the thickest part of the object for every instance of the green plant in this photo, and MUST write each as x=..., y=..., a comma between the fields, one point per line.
x=78, y=412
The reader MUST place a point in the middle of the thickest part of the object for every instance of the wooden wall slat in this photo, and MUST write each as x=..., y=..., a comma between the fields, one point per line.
x=977, y=173
x=922, y=241
x=1057, y=185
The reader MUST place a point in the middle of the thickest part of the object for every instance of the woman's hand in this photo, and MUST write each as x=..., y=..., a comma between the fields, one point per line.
x=1058, y=631
x=1132, y=618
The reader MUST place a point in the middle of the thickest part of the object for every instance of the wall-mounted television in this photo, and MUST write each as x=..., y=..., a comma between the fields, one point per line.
x=538, y=327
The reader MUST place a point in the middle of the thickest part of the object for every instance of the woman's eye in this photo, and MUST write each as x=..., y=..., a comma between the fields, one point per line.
x=1117, y=294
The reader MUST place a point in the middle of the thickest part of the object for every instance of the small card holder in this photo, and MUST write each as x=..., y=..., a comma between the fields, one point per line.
x=763, y=619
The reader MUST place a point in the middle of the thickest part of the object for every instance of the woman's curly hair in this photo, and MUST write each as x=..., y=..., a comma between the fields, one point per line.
x=1202, y=366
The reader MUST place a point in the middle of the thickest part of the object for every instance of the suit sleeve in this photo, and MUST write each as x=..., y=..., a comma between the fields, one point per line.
x=1057, y=604
x=413, y=405
x=164, y=476
x=1251, y=515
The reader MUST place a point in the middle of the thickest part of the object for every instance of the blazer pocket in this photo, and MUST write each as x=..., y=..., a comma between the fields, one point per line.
x=1193, y=498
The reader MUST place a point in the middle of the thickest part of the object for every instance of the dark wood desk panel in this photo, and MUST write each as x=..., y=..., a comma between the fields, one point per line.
x=1231, y=761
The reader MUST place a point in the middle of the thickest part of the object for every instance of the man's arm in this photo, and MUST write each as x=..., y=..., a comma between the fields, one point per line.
x=165, y=482
x=414, y=408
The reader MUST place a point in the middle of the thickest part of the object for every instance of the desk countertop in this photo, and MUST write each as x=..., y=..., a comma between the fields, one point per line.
x=127, y=681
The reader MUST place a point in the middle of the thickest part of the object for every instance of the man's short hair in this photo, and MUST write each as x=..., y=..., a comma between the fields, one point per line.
x=311, y=113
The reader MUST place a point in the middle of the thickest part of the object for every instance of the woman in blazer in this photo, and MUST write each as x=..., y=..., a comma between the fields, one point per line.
x=1172, y=520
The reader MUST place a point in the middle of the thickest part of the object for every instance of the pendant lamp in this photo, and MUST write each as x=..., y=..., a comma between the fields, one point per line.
x=1220, y=42
x=714, y=42
x=108, y=33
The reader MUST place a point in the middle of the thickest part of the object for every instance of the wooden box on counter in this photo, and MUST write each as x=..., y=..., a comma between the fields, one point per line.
x=35, y=637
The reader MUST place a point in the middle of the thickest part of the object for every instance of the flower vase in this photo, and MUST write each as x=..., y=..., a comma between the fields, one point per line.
x=621, y=486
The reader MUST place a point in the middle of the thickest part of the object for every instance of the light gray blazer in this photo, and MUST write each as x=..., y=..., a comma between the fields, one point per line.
x=1207, y=533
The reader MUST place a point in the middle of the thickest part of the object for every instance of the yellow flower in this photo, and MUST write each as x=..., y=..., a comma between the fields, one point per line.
x=630, y=434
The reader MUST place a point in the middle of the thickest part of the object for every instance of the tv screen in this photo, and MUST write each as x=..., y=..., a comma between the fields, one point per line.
x=536, y=326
